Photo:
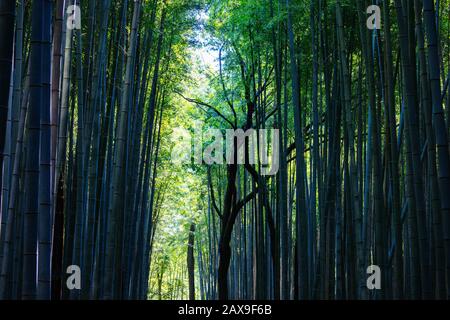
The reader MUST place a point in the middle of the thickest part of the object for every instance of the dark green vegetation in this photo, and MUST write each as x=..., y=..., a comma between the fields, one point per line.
x=86, y=117
x=82, y=121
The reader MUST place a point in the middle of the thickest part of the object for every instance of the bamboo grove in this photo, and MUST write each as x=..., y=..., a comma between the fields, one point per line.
x=80, y=123
x=92, y=91
x=363, y=174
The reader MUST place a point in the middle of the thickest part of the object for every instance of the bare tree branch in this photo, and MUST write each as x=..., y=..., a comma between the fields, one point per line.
x=201, y=103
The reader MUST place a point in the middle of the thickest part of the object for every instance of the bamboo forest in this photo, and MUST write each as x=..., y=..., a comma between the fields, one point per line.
x=127, y=161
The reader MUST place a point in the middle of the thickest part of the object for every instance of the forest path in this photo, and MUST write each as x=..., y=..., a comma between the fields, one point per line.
x=185, y=197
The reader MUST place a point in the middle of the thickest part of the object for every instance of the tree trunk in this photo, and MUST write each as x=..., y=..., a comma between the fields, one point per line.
x=191, y=262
